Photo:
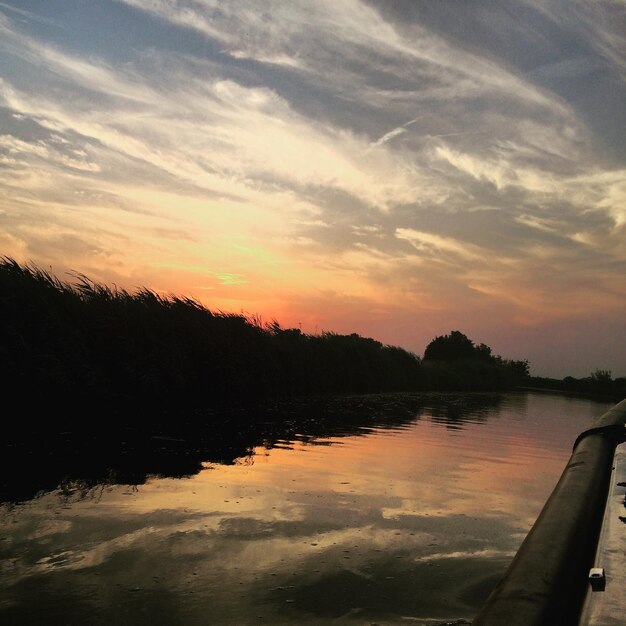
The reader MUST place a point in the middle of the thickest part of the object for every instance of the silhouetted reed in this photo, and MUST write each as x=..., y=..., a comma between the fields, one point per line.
x=98, y=353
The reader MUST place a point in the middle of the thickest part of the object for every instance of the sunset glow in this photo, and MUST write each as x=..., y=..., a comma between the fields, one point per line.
x=395, y=169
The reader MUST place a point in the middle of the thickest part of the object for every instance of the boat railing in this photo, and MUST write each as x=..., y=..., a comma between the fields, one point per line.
x=547, y=580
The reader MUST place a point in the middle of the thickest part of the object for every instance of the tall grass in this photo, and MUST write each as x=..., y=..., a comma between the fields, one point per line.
x=90, y=350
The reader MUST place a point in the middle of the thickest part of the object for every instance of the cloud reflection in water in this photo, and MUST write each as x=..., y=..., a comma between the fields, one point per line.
x=409, y=519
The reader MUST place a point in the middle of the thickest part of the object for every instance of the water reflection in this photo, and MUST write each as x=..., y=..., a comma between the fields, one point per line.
x=76, y=461
x=361, y=516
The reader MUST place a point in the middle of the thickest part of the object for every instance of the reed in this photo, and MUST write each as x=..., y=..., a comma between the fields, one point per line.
x=92, y=351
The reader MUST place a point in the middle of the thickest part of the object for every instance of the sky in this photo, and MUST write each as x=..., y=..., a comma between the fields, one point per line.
x=399, y=169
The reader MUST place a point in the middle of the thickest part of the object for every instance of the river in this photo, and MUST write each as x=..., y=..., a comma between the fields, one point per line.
x=392, y=509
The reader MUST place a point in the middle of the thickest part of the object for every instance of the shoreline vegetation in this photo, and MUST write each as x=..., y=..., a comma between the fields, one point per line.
x=599, y=385
x=91, y=350
x=110, y=385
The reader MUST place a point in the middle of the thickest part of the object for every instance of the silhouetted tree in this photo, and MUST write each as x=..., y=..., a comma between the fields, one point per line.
x=521, y=368
x=602, y=376
x=454, y=362
x=598, y=384
x=453, y=347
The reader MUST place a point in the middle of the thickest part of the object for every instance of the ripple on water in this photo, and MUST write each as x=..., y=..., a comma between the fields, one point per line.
x=398, y=508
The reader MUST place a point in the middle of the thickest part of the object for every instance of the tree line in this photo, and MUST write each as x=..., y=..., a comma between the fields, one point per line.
x=600, y=383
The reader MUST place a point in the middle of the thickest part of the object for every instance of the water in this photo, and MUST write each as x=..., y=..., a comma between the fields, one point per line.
x=363, y=510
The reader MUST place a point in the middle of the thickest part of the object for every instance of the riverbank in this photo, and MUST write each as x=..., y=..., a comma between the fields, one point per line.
x=599, y=386
x=102, y=356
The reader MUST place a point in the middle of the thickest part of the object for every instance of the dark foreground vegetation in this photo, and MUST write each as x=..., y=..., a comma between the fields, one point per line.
x=85, y=348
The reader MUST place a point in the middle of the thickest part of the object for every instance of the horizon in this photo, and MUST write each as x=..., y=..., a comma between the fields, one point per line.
x=394, y=169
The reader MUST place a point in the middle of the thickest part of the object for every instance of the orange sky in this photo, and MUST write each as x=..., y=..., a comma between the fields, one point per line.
x=381, y=168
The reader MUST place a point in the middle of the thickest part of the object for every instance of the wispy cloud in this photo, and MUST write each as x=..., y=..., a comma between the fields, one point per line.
x=277, y=138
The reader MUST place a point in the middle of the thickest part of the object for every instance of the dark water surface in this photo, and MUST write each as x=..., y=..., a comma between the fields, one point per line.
x=363, y=510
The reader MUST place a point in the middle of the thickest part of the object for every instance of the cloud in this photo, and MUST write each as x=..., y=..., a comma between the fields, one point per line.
x=434, y=245
x=271, y=144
